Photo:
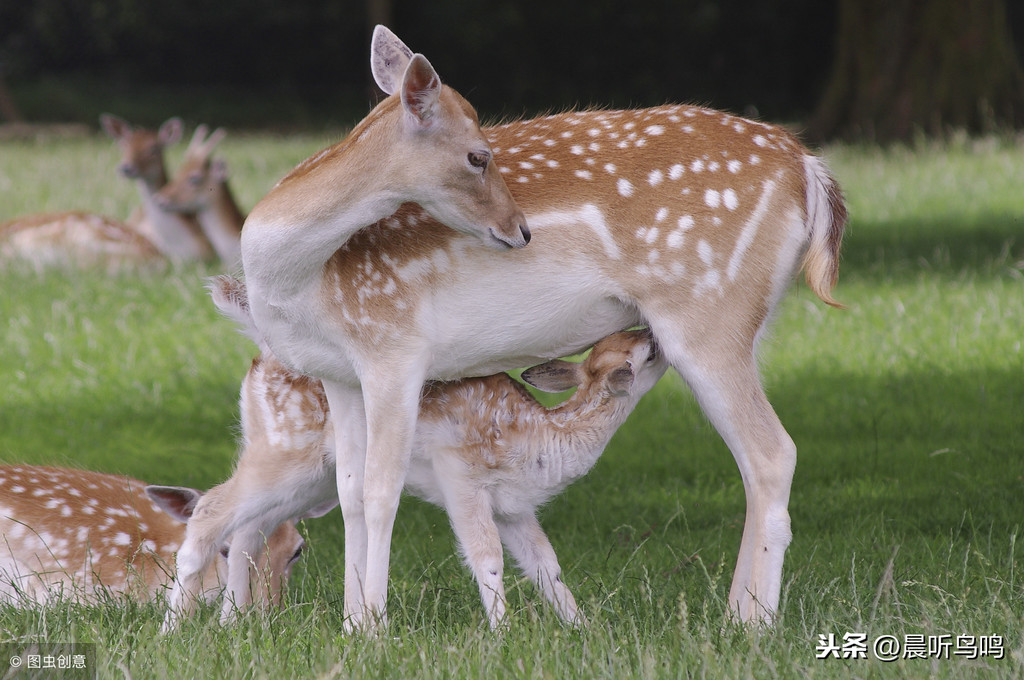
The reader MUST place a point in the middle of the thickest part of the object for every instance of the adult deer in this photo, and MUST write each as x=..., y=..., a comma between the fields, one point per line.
x=200, y=188
x=81, y=535
x=176, y=236
x=484, y=449
x=149, y=237
x=690, y=220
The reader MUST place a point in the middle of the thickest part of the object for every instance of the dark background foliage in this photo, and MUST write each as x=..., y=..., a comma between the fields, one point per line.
x=509, y=57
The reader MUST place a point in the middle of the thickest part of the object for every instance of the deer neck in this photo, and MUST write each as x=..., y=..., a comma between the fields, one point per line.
x=175, y=236
x=580, y=428
x=221, y=222
x=291, y=233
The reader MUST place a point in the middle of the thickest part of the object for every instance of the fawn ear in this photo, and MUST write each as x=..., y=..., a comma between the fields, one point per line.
x=421, y=88
x=177, y=501
x=621, y=380
x=389, y=58
x=557, y=375
x=171, y=131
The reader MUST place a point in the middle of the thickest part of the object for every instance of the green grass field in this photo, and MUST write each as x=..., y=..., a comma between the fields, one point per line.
x=907, y=409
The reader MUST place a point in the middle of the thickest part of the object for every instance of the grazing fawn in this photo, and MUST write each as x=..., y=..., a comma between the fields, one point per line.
x=79, y=535
x=483, y=449
x=200, y=188
x=398, y=256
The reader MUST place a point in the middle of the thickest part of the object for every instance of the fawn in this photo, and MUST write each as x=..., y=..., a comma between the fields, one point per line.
x=485, y=450
x=80, y=535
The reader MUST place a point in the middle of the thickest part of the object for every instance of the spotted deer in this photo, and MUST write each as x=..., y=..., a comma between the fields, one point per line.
x=177, y=236
x=484, y=450
x=375, y=266
x=200, y=188
x=75, y=238
x=79, y=535
x=147, y=239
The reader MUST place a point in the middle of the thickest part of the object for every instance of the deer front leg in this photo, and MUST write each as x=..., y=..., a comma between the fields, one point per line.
x=529, y=545
x=243, y=557
x=390, y=404
x=349, y=420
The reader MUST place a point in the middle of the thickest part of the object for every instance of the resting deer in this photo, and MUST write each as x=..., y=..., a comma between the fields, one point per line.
x=200, y=188
x=399, y=256
x=79, y=535
x=148, y=238
x=484, y=449
x=75, y=238
x=177, y=236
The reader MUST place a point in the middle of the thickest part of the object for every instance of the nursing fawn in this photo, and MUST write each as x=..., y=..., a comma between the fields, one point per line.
x=484, y=449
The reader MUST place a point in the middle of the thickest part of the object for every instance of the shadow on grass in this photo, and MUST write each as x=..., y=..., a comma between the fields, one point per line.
x=182, y=440
x=989, y=245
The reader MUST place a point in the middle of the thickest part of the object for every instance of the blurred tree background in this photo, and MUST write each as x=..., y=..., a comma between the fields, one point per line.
x=838, y=68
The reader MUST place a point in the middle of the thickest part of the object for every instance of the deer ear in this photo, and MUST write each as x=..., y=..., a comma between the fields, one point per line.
x=621, y=380
x=115, y=127
x=171, y=131
x=177, y=501
x=554, y=376
x=421, y=88
x=219, y=170
x=389, y=58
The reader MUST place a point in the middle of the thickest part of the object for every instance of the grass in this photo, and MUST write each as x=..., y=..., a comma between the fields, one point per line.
x=906, y=408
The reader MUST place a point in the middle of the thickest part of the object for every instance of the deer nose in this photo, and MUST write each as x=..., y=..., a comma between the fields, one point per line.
x=526, y=231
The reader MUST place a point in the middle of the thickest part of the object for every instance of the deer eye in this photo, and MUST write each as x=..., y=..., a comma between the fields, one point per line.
x=297, y=555
x=478, y=159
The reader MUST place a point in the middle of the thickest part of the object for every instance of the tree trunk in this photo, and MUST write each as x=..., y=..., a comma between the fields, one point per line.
x=8, y=109
x=928, y=65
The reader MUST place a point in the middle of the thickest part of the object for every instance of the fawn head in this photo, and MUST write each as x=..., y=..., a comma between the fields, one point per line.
x=283, y=547
x=625, y=364
x=196, y=181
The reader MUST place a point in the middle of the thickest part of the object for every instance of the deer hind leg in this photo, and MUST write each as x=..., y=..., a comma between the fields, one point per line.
x=529, y=545
x=728, y=388
x=472, y=519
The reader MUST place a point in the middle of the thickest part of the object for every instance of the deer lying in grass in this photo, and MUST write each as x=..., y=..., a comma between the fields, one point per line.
x=76, y=535
x=149, y=238
x=177, y=236
x=200, y=188
x=484, y=450
x=399, y=255
x=75, y=238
